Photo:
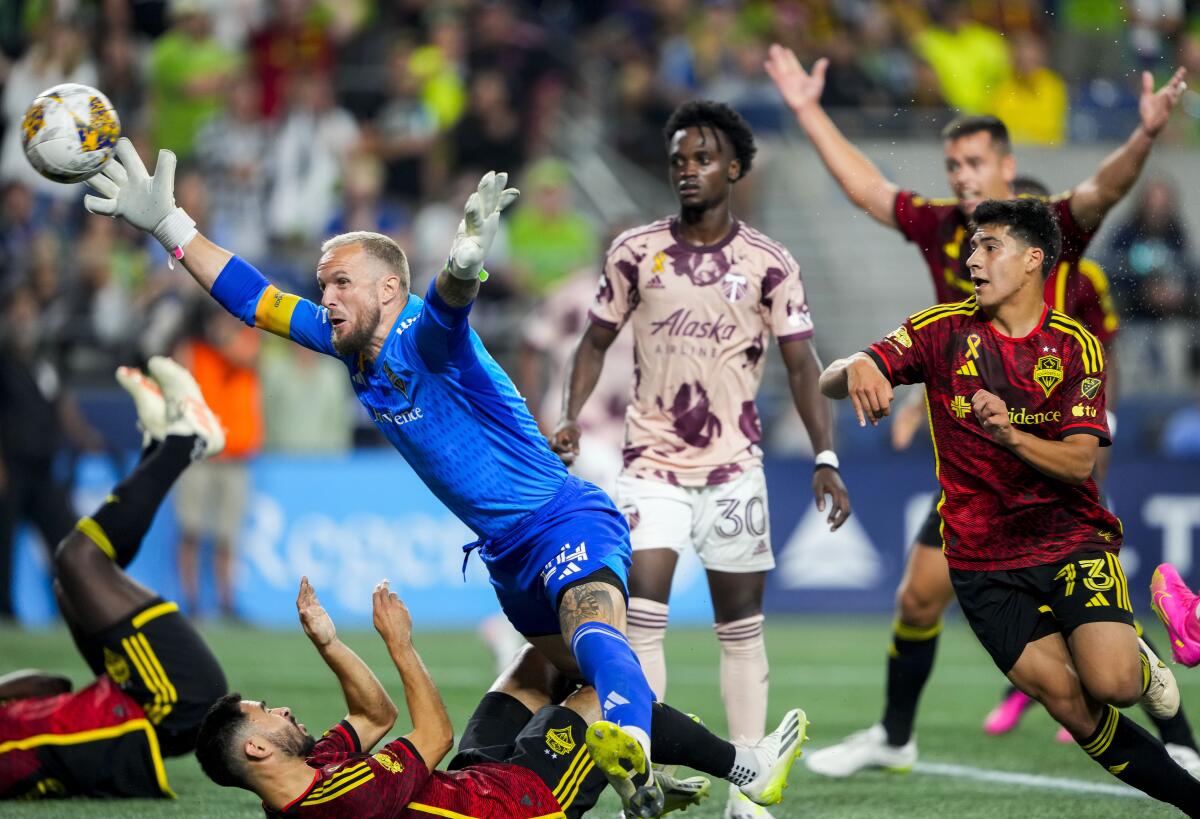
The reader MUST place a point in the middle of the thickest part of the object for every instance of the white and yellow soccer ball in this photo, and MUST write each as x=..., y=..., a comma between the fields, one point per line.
x=69, y=132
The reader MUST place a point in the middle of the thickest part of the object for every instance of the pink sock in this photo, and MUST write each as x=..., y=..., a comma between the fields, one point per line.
x=744, y=673
x=647, y=627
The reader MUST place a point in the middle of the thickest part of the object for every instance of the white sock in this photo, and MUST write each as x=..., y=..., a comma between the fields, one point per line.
x=647, y=626
x=744, y=675
x=746, y=766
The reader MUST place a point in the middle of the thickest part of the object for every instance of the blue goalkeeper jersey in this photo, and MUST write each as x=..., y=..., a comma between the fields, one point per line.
x=434, y=392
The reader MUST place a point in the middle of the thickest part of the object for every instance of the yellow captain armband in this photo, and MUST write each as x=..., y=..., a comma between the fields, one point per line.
x=273, y=312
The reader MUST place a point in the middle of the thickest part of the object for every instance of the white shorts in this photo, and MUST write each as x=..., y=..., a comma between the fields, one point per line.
x=727, y=524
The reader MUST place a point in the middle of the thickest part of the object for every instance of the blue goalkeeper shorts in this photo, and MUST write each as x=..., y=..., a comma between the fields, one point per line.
x=575, y=534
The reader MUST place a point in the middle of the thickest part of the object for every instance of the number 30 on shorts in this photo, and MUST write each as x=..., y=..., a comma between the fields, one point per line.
x=735, y=519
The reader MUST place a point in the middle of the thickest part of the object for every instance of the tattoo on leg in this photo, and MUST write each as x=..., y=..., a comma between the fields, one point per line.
x=586, y=602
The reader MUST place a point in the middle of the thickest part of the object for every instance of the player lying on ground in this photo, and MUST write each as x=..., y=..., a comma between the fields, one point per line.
x=1179, y=609
x=520, y=756
x=1032, y=552
x=155, y=677
x=556, y=548
x=980, y=165
x=693, y=476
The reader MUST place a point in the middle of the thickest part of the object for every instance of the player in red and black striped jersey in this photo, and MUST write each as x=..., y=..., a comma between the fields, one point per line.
x=155, y=677
x=522, y=755
x=979, y=165
x=1016, y=404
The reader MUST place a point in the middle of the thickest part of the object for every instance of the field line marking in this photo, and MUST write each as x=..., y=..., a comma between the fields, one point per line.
x=1024, y=780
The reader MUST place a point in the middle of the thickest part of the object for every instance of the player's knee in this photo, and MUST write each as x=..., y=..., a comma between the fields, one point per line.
x=76, y=557
x=1120, y=689
x=917, y=607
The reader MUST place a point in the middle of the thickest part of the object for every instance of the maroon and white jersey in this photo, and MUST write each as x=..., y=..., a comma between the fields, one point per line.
x=701, y=319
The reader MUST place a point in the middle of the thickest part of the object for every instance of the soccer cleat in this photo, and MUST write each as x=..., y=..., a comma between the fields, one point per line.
x=777, y=752
x=864, y=749
x=1175, y=605
x=147, y=400
x=680, y=794
x=186, y=412
x=623, y=762
x=1161, y=697
x=1185, y=757
x=739, y=806
x=1007, y=713
x=1064, y=736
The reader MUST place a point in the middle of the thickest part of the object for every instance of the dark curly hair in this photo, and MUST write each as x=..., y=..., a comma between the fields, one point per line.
x=216, y=744
x=1029, y=220
x=720, y=117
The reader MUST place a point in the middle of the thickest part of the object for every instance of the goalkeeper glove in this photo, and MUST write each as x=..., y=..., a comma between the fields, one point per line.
x=477, y=230
x=147, y=202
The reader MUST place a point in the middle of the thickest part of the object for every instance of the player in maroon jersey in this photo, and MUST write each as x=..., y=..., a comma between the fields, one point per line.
x=979, y=165
x=521, y=756
x=155, y=677
x=1032, y=552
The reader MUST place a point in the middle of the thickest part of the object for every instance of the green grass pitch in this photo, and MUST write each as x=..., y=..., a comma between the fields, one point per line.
x=833, y=668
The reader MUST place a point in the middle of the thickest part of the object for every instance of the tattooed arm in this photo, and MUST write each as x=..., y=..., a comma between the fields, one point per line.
x=591, y=602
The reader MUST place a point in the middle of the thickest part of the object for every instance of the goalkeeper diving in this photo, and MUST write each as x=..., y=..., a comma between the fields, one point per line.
x=556, y=548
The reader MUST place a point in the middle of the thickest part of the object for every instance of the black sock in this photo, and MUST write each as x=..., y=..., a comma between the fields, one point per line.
x=680, y=740
x=910, y=660
x=1176, y=730
x=126, y=514
x=1130, y=754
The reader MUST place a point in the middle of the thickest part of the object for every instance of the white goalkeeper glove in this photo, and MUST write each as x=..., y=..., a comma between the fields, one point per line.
x=477, y=230
x=147, y=202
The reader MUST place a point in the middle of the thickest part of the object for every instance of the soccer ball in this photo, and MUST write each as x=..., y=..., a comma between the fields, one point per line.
x=69, y=132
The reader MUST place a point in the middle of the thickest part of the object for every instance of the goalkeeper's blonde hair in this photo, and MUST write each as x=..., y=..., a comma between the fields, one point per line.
x=376, y=245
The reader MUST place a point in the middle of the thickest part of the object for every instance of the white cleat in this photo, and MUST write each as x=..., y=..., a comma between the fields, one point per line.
x=861, y=750
x=186, y=412
x=739, y=806
x=147, y=400
x=777, y=752
x=1186, y=758
x=1161, y=698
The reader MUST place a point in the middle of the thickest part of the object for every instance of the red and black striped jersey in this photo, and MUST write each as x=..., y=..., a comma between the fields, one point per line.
x=998, y=512
x=394, y=783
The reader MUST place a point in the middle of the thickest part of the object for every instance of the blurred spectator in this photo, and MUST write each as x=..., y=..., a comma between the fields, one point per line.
x=1152, y=25
x=189, y=71
x=122, y=79
x=440, y=68
x=1150, y=256
x=488, y=137
x=58, y=54
x=234, y=154
x=294, y=42
x=641, y=108
x=310, y=152
x=970, y=59
x=211, y=496
x=38, y=416
x=1088, y=45
x=18, y=225
x=404, y=131
x=1181, y=434
x=549, y=238
x=747, y=88
x=98, y=322
x=433, y=231
x=362, y=206
x=308, y=406
x=1033, y=101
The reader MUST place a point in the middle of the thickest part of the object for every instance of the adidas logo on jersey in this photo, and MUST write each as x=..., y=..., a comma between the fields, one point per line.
x=655, y=283
x=1098, y=600
x=571, y=568
x=968, y=369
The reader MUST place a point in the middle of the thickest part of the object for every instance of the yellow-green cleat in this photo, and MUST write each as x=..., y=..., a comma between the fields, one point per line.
x=778, y=751
x=623, y=762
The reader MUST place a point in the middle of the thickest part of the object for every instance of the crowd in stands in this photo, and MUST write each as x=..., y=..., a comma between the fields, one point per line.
x=296, y=119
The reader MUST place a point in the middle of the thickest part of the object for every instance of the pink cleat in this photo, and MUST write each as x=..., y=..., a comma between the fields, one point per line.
x=1007, y=713
x=1175, y=605
x=1064, y=736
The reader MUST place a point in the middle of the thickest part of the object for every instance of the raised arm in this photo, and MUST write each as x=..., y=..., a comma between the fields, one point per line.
x=804, y=373
x=583, y=371
x=432, y=734
x=858, y=177
x=370, y=710
x=1093, y=198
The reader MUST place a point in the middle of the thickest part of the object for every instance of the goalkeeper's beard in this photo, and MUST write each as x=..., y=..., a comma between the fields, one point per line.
x=349, y=342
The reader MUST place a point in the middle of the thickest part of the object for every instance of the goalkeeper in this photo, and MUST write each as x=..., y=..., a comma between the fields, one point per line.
x=556, y=548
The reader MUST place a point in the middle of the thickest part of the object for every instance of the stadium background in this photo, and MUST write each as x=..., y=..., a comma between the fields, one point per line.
x=295, y=119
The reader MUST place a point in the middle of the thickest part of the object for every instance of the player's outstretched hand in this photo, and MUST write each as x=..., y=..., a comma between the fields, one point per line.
x=317, y=623
x=477, y=230
x=1155, y=107
x=869, y=391
x=565, y=440
x=829, y=482
x=392, y=620
x=992, y=414
x=798, y=88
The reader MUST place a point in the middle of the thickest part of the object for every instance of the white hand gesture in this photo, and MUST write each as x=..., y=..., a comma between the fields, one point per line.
x=798, y=88
x=477, y=230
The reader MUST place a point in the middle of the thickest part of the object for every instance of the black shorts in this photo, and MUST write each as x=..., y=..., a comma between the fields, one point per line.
x=550, y=743
x=1011, y=608
x=930, y=533
x=159, y=659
